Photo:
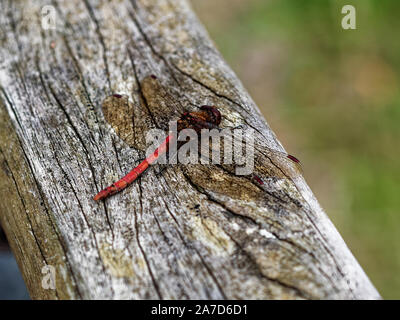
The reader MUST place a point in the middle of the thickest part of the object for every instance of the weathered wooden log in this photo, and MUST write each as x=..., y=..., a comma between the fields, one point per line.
x=189, y=232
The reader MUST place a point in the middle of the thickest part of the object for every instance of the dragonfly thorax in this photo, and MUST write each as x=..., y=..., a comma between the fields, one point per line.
x=207, y=118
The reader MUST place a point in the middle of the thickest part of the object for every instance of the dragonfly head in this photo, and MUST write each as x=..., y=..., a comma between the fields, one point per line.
x=213, y=114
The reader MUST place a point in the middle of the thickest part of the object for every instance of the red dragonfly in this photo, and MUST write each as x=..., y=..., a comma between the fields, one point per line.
x=208, y=117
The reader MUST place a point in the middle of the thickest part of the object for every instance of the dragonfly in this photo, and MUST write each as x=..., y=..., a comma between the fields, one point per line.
x=207, y=117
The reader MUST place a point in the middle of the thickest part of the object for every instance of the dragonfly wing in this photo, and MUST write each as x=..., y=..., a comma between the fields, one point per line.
x=127, y=119
x=155, y=107
x=263, y=161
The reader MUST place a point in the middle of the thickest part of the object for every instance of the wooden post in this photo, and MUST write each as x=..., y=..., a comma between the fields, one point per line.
x=189, y=232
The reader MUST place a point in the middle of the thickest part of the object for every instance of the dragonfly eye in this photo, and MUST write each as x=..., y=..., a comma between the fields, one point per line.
x=184, y=115
x=214, y=113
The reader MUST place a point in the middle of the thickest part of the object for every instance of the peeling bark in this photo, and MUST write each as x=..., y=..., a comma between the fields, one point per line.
x=190, y=232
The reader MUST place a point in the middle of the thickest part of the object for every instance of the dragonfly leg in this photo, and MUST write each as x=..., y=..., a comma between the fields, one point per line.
x=240, y=126
x=160, y=170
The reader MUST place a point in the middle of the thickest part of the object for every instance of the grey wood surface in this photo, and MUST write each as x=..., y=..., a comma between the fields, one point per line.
x=189, y=232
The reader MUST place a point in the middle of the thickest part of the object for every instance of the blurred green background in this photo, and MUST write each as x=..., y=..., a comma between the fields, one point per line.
x=332, y=97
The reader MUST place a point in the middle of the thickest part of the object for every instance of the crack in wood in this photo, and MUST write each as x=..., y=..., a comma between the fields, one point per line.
x=155, y=284
x=101, y=40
